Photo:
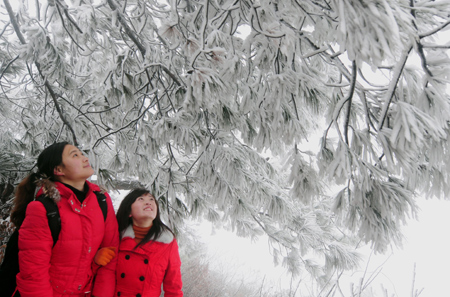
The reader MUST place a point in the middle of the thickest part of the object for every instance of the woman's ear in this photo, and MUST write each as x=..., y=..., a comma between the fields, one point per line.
x=58, y=171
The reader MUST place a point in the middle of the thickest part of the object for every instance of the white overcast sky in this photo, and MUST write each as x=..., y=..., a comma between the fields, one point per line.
x=426, y=245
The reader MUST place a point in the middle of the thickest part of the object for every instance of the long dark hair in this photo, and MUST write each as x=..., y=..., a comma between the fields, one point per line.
x=47, y=160
x=124, y=219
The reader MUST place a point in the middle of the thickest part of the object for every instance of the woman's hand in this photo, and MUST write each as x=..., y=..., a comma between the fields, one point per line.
x=104, y=255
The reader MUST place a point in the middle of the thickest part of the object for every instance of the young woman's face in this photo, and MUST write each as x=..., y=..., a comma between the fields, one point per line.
x=75, y=166
x=144, y=210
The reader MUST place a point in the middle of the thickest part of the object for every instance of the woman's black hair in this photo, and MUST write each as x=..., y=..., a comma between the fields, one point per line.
x=48, y=159
x=124, y=220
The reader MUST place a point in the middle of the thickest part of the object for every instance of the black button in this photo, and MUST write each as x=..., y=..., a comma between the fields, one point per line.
x=118, y=294
x=138, y=295
x=146, y=261
x=141, y=278
x=122, y=275
x=127, y=257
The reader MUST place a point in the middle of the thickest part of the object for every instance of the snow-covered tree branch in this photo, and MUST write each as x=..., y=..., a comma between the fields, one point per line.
x=212, y=105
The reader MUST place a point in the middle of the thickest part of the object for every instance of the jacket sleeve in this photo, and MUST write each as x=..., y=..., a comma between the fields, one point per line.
x=105, y=279
x=172, y=283
x=35, y=249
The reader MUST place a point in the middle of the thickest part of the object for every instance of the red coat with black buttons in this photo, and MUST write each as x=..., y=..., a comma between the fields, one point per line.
x=141, y=271
x=67, y=268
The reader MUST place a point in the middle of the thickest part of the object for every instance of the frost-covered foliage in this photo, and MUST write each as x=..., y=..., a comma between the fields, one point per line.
x=211, y=104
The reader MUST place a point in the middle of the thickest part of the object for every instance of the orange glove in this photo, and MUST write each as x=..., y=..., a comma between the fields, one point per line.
x=104, y=255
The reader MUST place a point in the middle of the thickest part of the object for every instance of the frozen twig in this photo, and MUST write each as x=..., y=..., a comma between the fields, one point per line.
x=133, y=36
x=349, y=99
x=393, y=85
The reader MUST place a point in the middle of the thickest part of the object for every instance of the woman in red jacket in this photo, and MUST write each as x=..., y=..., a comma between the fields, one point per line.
x=148, y=253
x=66, y=268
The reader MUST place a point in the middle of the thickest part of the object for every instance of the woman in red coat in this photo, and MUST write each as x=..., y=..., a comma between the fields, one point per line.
x=68, y=267
x=148, y=253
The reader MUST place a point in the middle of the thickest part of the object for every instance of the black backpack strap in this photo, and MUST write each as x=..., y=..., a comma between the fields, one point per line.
x=101, y=198
x=54, y=220
x=10, y=266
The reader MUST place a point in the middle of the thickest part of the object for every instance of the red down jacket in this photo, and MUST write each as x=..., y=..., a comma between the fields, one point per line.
x=67, y=268
x=140, y=272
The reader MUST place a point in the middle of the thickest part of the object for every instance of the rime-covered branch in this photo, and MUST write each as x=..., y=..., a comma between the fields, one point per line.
x=52, y=93
x=397, y=72
x=132, y=34
x=349, y=100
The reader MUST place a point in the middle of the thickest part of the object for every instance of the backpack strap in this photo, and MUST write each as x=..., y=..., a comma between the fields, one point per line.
x=54, y=220
x=101, y=198
x=9, y=268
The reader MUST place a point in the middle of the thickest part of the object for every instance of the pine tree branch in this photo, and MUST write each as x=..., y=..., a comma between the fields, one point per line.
x=316, y=52
x=46, y=83
x=419, y=45
x=123, y=127
x=84, y=114
x=369, y=123
x=126, y=184
x=435, y=46
x=259, y=29
x=198, y=158
x=423, y=59
x=435, y=30
x=4, y=29
x=7, y=66
x=349, y=100
x=64, y=24
x=38, y=10
x=336, y=112
x=168, y=72
x=101, y=111
x=205, y=7
x=13, y=20
x=58, y=107
x=66, y=12
x=172, y=156
x=304, y=10
x=393, y=85
x=295, y=107
x=158, y=104
x=205, y=22
x=133, y=36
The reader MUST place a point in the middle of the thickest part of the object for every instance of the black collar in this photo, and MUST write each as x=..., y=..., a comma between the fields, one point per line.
x=81, y=195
